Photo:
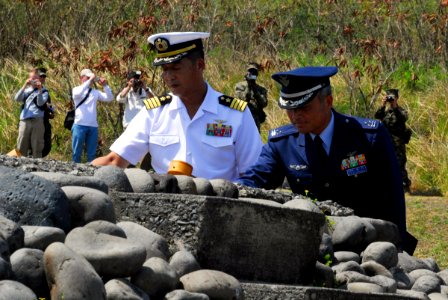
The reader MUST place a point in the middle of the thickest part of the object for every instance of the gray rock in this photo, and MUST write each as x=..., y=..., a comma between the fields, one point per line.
x=109, y=255
x=304, y=204
x=348, y=266
x=427, y=284
x=373, y=268
x=444, y=290
x=432, y=264
x=389, y=284
x=156, y=277
x=344, y=256
x=183, y=262
x=422, y=272
x=87, y=205
x=224, y=188
x=412, y=294
x=186, y=185
x=323, y=276
x=12, y=234
x=4, y=247
x=215, y=284
x=350, y=276
x=165, y=183
x=326, y=254
x=437, y=296
x=106, y=228
x=155, y=245
x=410, y=263
x=62, y=179
x=184, y=295
x=364, y=287
x=71, y=276
x=404, y=281
x=122, y=289
x=15, y=290
x=384, y=253
x=140, y=180
x=203, y=187
x=444, y=275
x=385, y=231
x=352, y=233
x=31, y=200
x=114, y=177
x=5, y=269
x=28, y=268
x=39, y=237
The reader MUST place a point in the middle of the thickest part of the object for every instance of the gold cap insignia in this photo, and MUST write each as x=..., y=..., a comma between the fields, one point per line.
x=161, y=44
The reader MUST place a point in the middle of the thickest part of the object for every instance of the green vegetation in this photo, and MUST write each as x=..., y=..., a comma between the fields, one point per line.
x=377, y=45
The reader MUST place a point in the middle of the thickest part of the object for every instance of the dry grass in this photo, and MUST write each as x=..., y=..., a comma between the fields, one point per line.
x=427, y=219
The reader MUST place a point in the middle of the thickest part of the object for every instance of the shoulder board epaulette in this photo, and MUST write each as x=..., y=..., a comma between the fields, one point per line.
x=232, y=102
x=155, y=102
x=282, y=131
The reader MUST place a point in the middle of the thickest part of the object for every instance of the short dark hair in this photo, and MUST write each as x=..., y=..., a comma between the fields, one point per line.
x=195, y=55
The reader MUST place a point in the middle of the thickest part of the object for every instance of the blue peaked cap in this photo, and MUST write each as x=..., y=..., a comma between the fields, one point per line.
x=301, y=85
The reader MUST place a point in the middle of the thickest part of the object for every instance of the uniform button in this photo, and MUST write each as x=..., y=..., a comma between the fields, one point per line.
x=298, y=180
x=347, y=120
x=327, y=185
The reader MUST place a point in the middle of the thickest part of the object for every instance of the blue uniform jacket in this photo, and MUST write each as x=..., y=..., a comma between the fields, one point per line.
x=362, y=172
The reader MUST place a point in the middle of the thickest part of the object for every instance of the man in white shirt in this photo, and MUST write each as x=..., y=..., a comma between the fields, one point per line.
x=85, y=127
x=212, y=132
x=132, y=96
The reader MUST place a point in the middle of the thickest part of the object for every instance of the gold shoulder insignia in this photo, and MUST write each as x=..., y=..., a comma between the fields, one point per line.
x=155, y=102
x=232, y=102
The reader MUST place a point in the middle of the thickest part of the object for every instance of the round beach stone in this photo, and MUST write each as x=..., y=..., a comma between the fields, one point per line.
x=412, y=294
x=215, y=284
x=122, y=289
x=432, y=264
x=348, y=266
x=224, y=188
x=344, y=256
x=444, y=275
x=386, y=231
x=109, y=255
x=156, y=277
x=384, y=253
x=4, y=248
x=114, y=177
x=389, y=284
x=373, y=268
x=186, y=184
x=410, y=263
x=39, y=237
x=422, y=272
x=140, y=180
x=352, y=233
x=28, y=268
x=303, y=204
x=62, y=179
x=203, y=187
x=87, y=205
x=350, y=276
x=427, y=284
x=185, y=295
x=28, y=199
x=364, y=287
x=404, y=281
x=106, y=228
x=437, y=296
x=155, y=244
x=15, y=290
x=165, y=183
x=183, y=262
x=5, y=269
x=12, y=234
x=71, y=276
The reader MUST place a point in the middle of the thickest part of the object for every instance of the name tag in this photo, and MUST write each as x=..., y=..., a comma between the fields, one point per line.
x=357, y=170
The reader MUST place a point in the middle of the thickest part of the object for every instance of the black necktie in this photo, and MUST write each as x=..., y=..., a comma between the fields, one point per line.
x=320, y=156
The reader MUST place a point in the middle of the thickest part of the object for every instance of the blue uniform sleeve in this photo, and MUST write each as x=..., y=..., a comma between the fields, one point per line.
x=267, y=172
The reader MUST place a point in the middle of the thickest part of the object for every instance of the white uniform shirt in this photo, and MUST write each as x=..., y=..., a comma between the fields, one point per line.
x=133, y=102
x=86, y=114
x=168, y=133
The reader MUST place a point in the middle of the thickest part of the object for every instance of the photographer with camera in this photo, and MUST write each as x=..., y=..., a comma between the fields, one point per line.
x=394, y=119
x=33, y=96
x=132, y=96
x=255, y=95
x=85, y=127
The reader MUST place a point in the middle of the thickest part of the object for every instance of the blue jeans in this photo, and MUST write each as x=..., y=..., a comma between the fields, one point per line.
x=84, y=135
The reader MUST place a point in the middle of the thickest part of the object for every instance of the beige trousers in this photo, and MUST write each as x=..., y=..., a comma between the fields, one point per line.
x=31, y=137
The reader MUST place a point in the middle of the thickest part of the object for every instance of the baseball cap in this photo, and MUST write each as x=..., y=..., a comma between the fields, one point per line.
x=86, y=72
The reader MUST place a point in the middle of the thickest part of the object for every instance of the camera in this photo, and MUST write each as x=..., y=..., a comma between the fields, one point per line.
x=390, y=98
x=33, y=82
x=137, y=83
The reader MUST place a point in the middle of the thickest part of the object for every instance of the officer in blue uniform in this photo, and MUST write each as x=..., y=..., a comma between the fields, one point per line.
x=327, y=155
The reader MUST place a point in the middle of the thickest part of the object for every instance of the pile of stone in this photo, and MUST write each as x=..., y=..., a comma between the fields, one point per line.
x=107, y=233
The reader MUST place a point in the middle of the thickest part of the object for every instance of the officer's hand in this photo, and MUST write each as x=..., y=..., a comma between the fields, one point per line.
x=384, y=101
x=131, y=82
x=92, y=76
